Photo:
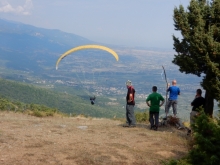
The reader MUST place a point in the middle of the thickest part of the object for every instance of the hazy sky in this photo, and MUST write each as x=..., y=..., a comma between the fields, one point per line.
x=146, y=23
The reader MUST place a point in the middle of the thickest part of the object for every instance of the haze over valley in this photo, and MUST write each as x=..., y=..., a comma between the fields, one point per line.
x=28, y=54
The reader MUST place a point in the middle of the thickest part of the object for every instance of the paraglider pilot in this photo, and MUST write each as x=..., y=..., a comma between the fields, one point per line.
x=92, y=99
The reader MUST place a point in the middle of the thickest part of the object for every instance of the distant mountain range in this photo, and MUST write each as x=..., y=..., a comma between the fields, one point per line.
x=28, y=54
x=24, y=46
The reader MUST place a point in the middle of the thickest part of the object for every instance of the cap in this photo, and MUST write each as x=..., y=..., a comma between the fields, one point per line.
x=128, y=83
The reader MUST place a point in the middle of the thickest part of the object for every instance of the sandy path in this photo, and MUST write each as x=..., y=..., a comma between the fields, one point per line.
x=28, y=140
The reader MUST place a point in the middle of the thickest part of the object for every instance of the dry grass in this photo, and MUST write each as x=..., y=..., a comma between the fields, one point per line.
x=27, y=140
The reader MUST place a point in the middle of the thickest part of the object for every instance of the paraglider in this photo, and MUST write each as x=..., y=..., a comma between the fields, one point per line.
x=92, y=99
x=112, y=52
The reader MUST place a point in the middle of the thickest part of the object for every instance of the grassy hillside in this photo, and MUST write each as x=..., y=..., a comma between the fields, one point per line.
x=64, y=102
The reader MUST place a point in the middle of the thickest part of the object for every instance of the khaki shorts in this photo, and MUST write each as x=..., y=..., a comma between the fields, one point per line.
x=193, y=114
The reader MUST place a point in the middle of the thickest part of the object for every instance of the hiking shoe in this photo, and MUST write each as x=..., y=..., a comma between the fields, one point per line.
x=125, y=125
x=189, y=132
x=152, y=127
x=155, y=128
x=132, y=126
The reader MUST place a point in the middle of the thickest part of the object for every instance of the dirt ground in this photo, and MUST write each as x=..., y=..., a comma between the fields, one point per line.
x=28, y=140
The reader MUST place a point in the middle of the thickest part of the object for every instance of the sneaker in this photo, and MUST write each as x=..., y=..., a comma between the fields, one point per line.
x=125, y=125
x=189, y=132
x=152, y=127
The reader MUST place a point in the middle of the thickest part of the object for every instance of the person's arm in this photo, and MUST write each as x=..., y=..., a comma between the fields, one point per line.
x=162, y=103
x=168, y=87
x=148, y=104
x=130, y=98
x=193, y=102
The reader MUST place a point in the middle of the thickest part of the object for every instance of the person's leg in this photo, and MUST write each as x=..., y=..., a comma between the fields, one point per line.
x=133, y=120
x=156, y=115
x=193, y=114
x=127, y=115
x=167, y=108
x=131, y=117
x=174, y=105
x=151, y=120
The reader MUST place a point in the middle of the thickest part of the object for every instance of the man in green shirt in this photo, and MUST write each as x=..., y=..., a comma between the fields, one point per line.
x=156, y=101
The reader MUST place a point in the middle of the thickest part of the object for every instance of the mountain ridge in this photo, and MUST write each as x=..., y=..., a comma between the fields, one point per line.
x=32, y=44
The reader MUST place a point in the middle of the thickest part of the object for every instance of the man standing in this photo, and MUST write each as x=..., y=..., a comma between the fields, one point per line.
x=196, y=103
x=172, y=101
x=130, y=105
x=199, y=101
x=155, y=104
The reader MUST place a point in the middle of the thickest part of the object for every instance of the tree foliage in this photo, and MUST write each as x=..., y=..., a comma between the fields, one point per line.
x=206, y=150
x=198, y=52
x=205, y=144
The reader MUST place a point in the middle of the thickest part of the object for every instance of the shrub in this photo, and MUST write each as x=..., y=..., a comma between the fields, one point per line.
x=173, y=120
x=206, y=150
x=142, y=116
x=37, y=113
x=177, y=162
x=205, y=142
x=49, y=113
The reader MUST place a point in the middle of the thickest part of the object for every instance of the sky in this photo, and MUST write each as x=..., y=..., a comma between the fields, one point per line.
x=135, y=23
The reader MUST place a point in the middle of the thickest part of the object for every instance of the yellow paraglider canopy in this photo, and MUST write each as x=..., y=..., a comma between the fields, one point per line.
x=86, y=47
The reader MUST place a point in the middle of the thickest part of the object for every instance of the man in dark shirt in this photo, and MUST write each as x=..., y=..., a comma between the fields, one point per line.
x=130, y=102
x=199, y=101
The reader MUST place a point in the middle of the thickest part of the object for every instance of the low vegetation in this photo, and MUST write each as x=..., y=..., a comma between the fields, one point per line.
x=64, y=102
x=142, y=117
x=204, y=142
x=31, y=109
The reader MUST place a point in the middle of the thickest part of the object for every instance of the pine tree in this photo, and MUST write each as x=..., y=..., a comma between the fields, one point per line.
x=206, y=150
x=198, y=52
x=205, y=142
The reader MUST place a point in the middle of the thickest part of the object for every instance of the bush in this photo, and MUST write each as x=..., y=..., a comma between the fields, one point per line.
x=142, y=117
x=37, y=113
x=206, y=150
x=177, y=162
x=205, y=142
x=31, y=109
x=49, y=113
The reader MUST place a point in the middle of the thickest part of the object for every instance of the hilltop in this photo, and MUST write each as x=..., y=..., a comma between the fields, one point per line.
x=57, y=140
